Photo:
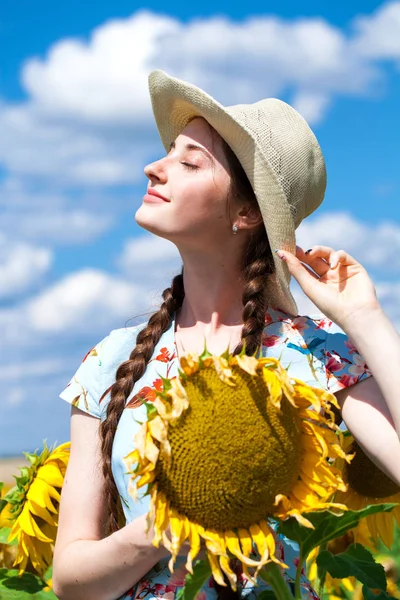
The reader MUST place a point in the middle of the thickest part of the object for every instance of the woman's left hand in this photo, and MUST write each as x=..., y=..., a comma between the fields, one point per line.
x=341, y=287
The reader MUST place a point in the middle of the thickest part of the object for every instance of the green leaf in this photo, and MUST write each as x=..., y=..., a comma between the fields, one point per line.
x=356, y=562
x=4, y=533
x=151, y=410
x=368, y=595
x=266, y=595
x=194, y=583
x=327, y=526
x=28, y=582
x=3, y=504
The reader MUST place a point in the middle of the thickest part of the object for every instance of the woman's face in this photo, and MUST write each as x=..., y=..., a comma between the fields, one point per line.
x=194, y=179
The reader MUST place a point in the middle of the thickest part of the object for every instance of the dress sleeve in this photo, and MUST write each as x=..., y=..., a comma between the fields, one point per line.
x=86, y=386
x=344, y=366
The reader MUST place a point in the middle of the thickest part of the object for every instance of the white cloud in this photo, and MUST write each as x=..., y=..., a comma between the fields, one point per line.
x=84, y=295
x=148, y=250
x=22, y=266
x=312, y=106
x=82, y=302
x=10, y=372
x=54, y=216
x=375, y=246
x=65, y=226
x=378, y=35
x=104, y=80
x=88, y=119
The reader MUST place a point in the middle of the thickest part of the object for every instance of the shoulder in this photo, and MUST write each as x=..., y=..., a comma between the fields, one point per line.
x=96, y=372
x=313, y=348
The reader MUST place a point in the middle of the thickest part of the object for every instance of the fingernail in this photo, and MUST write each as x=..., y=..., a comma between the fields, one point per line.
x=308, y=251
x=281, y=256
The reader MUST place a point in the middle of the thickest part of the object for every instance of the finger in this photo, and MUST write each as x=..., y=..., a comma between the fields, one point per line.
x=299, y=271
x=333, y=257
x=319, y=265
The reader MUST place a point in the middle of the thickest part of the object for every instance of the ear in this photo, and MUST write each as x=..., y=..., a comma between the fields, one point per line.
x=249, y=216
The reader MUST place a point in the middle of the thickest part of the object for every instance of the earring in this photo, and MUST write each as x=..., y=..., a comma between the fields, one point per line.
x=235, y=229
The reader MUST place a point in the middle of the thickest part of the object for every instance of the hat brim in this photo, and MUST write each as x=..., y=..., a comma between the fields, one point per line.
x=175, y=103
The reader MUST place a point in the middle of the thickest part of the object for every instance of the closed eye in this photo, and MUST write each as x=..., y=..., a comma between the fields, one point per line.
x=190, y=166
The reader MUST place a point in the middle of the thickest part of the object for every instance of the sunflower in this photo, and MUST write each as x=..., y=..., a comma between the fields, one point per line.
x=34, y=503
x=366, y=484
x=227, y=444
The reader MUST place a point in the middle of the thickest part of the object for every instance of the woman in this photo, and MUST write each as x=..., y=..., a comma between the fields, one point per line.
x=234, y=185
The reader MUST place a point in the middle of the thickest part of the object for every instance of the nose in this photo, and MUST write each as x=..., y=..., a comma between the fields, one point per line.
x=156, y=170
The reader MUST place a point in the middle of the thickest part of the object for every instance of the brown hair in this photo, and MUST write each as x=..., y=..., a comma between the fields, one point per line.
x=257, y=265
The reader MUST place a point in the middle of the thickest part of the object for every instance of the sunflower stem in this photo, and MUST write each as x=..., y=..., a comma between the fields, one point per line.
x=272, y=574
x=297, y=588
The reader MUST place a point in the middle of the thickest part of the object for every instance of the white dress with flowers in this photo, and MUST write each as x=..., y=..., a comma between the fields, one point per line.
x=314, y=350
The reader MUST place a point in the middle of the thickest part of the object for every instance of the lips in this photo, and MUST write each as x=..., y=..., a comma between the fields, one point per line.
x=152, y=192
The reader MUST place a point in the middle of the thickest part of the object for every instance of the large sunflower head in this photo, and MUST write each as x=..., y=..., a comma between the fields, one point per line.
x=228, y=444
x=34, y=504
x=366, y=484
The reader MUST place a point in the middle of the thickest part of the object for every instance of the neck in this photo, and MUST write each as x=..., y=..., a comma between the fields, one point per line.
x=213, y=292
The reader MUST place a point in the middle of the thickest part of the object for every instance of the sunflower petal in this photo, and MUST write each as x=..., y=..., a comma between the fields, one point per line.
x=215, y=568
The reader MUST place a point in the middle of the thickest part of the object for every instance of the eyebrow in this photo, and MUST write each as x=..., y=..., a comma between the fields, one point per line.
x=194, y=147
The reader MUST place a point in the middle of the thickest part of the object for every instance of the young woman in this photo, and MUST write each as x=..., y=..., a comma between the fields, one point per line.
x=231, y=190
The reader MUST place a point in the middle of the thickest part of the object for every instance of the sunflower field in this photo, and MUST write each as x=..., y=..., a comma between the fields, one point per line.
x=283, y=466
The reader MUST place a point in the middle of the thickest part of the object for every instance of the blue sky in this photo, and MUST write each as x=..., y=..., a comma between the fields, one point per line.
x=76, y=131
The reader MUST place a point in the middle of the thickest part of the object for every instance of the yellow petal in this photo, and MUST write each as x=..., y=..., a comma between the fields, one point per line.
x=274, y=387
x=161, y=518
x=42, y=513
x=29, y=526
x=216, y=571
x=151, y=451
x=43, y=493
x=260, y=541
x=226, y=568
x=190, y=364
x=140, y=439
x=147, y=478
x=232, y=543
x=223, y=371
x=270, y=541
x=158, y=429
x=215, y=541
x=131, y=459
x=195, y=545
x=249, y=364
x=179, y=527
x=51, y=475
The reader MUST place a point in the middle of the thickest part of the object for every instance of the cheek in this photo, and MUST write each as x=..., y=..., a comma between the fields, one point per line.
x=204, y=197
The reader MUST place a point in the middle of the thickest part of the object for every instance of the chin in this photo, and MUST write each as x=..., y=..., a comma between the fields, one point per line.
x=150, y=223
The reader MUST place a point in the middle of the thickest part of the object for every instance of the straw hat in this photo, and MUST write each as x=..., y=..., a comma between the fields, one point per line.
x=277, y=150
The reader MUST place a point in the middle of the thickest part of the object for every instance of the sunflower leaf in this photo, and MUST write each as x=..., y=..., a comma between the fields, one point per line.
x=13, y=586
x=194, y=583
x=266, y=595
x=356, y=562
x=3, y=503
x=327, y=526
x=4, y=533
x=369, y=595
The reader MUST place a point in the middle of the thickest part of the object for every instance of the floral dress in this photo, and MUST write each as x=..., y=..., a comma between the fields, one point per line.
x=314, y=350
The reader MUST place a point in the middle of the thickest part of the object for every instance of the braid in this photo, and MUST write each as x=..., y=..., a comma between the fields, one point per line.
x=127, y=374
x=257, y=266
